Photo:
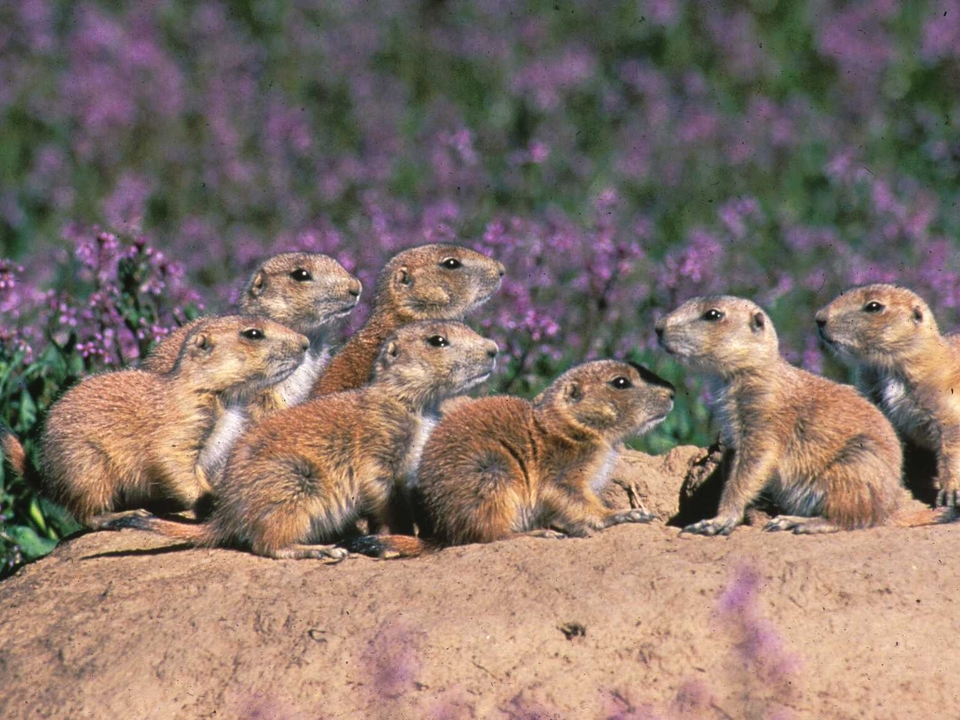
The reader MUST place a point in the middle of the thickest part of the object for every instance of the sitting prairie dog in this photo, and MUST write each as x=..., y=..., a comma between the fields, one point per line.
x=500, y=466
x=889, y=335
x=308, y=292
x=306, y=474
x=126, y=438
x=429, y=282
x=823, y=454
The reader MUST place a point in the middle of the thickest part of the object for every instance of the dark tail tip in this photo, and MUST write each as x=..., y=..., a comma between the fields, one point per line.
x=132, y=522
x=385, y=546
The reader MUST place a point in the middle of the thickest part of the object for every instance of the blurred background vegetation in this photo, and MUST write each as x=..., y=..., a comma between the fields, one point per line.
x=617, y=156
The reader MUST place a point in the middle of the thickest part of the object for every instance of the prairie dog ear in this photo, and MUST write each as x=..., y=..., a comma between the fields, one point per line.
x=573, y=391
x=389, y=354
x=758, y=322
x=198, y=345
x=258, y=284
x=917, y=314
x=402, y=277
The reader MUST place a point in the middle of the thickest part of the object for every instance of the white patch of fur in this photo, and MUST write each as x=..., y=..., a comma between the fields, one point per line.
x=602, y=477
x=228, y=428
x=525, y=519
x=905, y=412
x=893, y=392
x=425, y=428
x=296, y=388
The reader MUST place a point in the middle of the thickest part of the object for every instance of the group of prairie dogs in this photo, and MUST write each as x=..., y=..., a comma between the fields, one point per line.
x=284, y=450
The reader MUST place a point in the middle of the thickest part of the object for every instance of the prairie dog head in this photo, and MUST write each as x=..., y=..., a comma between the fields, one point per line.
x=612, y=398
x=239, y=354
x=437, y=282
x=877, y=325
x=430, y=360
x=719, y=335
x=304, y=291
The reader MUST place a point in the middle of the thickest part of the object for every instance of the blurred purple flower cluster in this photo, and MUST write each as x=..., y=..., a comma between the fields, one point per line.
x=617, y=157
x=121, y=297
x=767, y=668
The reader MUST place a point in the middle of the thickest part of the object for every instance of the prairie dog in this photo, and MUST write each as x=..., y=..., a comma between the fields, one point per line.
x=126, y=438
x=310, y=293
x=306, y=474
x=890, y=337
x=429, y=282
x=825, y=456
x=500, y=466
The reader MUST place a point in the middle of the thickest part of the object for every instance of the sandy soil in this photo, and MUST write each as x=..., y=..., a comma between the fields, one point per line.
x=635, y=622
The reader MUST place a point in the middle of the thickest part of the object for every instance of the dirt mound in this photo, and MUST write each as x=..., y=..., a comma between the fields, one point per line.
x=635, y=622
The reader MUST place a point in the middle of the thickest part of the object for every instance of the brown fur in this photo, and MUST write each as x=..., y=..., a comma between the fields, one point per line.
x=306, y=474
x=889, y=335
x=499, y=466
x=825, y=456
x=414, y=285
x=123, y=439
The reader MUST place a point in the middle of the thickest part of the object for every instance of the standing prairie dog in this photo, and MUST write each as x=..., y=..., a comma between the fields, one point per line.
x=903, y=364
x=500, y=466
x=826, y=456
x=127, y=438
x=429, y=282
x=306, y=474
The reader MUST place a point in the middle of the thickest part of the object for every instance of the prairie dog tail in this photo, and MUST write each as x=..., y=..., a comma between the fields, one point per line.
x=389, y=547
x=199, y=535
x=925, y=516
x=17, y=458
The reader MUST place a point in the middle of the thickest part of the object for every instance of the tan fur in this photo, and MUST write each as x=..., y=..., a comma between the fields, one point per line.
x=414, y=285
x=500, y=466
x=890, y=336
x=123, y=439
x=826, y=456
x=305, y=475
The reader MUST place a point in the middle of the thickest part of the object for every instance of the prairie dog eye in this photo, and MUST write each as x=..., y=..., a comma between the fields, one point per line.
x=438, y=341
x=450, y=263
x=253, y=334
x=712, y=315
x=873, y=307
x=301, y=275
x=621, y=383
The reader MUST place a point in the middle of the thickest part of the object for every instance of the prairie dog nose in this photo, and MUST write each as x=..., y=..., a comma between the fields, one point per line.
x=492, y=349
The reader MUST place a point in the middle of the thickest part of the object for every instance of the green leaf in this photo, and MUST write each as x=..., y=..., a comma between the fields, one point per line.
x=28, y=409
x=31, y=544
x=37, y=515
